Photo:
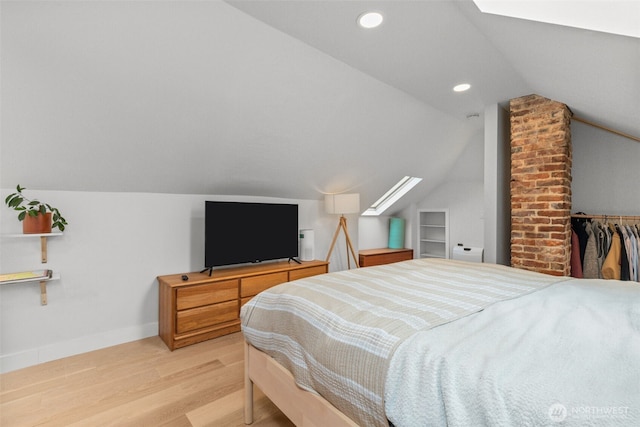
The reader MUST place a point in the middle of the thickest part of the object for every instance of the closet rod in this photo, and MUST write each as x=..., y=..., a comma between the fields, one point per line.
x=608, y=217
x=617, y=132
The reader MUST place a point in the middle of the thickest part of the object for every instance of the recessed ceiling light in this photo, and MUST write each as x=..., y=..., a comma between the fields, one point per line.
x=462, y=87
x=370, y=19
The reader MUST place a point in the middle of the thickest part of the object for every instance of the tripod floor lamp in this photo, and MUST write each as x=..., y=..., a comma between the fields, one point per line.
x=341, y=204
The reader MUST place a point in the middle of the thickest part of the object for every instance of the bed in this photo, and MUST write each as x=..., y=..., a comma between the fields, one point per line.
x=444, y=342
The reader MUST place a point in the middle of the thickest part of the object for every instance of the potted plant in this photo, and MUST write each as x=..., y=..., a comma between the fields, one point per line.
x=37, y=217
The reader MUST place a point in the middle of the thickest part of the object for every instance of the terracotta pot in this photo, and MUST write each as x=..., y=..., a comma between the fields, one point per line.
x=37, y=224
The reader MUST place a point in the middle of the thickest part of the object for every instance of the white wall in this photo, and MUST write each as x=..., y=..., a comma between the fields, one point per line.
x=497, y=191
x=464, y=200
x=108, y=257
x=605, y=172
x=374, y=232
x=196, y=97
x=462, y=193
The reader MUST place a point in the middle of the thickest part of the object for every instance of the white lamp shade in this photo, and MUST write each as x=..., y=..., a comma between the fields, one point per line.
x=342, y=203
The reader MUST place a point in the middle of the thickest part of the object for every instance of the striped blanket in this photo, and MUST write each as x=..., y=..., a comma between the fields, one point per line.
x=336, y=333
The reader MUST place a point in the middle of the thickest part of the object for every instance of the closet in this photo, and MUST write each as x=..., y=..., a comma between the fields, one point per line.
x=605, y=247
x=604, y=179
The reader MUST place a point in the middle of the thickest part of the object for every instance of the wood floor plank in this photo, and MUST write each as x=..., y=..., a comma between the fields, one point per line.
x=135, y=396
x=141, y=383
x=228, y=411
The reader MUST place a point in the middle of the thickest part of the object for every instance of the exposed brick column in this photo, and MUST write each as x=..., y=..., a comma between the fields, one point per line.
x=540, y=185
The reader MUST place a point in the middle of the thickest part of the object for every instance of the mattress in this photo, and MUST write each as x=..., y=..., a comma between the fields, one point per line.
x=338, y=333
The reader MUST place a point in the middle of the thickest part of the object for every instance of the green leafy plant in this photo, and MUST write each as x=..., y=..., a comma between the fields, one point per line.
x=17, y=201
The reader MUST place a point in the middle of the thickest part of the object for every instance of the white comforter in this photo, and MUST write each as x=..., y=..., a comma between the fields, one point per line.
x=565, y=355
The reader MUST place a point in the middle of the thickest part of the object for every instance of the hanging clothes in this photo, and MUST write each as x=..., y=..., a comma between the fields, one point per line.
x=611, y=266
x=576, y=265
x=624, y=259
x=603, y=243
x=579, y=226
x=605, y=250
x=633, y=253
x=590, y=268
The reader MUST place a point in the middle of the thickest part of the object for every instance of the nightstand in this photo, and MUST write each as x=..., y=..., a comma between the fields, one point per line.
x=369, y=257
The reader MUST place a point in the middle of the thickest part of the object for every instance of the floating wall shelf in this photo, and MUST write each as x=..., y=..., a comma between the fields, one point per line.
x=43, y=285
x=43, y=241
x=43, y=249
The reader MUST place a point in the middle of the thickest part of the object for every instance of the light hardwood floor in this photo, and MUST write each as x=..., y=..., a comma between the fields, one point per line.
x=140, y=383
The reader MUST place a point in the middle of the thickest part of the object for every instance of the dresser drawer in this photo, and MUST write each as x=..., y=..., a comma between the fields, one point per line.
x=307, y=272
x=207, y=305
x=253, y=285
x=211, y=293
x=209, y=315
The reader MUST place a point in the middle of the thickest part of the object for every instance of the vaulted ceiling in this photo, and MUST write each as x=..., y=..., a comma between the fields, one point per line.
x=280, y=98
x=426, y=47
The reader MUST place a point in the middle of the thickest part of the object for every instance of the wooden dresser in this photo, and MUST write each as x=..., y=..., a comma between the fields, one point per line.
x=205, y=307
x=369, y=257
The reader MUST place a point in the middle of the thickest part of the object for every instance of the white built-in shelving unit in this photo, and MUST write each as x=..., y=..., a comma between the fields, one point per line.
x=433, y=233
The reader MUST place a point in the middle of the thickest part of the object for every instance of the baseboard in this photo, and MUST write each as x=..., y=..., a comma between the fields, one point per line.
x=35, y=356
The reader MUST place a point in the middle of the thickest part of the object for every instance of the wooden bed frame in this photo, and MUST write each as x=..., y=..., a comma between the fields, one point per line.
x=302, y=407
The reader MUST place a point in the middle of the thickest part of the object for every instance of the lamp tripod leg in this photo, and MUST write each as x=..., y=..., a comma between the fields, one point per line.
x=333, y=242
x=343, y=223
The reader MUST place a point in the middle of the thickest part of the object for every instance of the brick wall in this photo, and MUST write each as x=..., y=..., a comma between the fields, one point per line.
x=540, y=185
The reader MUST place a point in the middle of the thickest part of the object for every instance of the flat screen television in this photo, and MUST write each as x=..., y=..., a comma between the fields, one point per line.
x=243, y=232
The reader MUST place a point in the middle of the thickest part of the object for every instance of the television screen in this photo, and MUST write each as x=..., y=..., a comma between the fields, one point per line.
x=241, y=232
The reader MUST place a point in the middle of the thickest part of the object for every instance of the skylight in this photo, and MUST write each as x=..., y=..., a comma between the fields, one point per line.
x=392, y=196
x=612, y=16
